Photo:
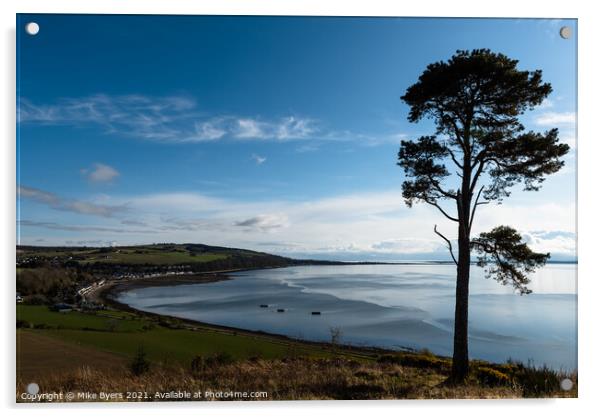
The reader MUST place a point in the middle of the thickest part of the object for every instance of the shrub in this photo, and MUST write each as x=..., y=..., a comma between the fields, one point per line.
x=201, y=363
x=197, y=364
x=491, y=377
x=221, y=358
x=426, y=352
x=536, y=382
x=23, y=324
x=415, y=360
x=139, y=364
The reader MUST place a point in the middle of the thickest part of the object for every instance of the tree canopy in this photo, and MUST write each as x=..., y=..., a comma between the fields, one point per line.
x=475, y=99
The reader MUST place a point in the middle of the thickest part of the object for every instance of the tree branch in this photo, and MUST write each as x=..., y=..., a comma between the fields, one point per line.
x=477, y=175
x=432, y=203
x=474, y=208
x=453, y=157
x=460, y=140
x=449, y=245
x=435, y=184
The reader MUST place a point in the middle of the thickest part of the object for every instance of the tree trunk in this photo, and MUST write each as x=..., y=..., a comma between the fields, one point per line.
x=460, y=359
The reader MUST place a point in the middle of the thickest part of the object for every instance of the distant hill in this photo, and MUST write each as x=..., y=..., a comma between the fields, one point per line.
x=190, y=256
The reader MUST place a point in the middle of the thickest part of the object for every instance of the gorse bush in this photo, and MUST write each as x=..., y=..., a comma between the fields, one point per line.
x=417, y=360
x=491, y=377
x=533, y=381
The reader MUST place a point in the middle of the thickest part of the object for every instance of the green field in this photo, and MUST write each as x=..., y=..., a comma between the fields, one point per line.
x=136, y=255
x=151, y=257
x=42, y=316
x=180, y=345
x=161, y=343
x=79, y=350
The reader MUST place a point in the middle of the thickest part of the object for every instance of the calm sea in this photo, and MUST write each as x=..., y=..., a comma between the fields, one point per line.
x=394, y=306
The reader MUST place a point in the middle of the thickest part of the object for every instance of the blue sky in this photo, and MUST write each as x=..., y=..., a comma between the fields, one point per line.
x=272, y=133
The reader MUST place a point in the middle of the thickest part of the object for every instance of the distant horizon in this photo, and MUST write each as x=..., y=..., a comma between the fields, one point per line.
x=426, y=258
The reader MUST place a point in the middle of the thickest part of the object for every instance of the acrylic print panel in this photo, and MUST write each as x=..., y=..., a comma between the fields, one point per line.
x=291, y=208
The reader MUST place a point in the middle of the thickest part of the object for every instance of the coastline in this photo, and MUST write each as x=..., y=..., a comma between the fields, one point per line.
x=425, y=367
x=109, y=292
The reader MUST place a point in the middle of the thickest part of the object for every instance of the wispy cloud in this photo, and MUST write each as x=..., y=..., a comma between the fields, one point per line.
x=254, y=128
x=264, y=222
x=407, y=245
x=547, y=103
x=77, y=228
x=210, y=129
x=59, y=203
x=293, y=127
x=91, y=242
x=129, y=222
x=258, y=159
x=357, y=224
x=555, y=118
x=170, y=118
x=145, y=117
x=178, y=119
x=100, y=173
x=250, y=129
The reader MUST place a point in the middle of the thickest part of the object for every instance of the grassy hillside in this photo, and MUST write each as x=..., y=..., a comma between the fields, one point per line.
x=47, y=275
x=296, y=378
x=85, y=352
x=122, y=333
x=159, y=254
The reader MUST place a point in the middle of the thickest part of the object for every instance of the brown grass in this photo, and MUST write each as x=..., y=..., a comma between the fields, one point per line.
x=39, y=355
x=286, y=379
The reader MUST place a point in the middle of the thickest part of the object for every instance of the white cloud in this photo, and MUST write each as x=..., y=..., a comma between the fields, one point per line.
x=80, y=228
x=174, y=119
x=178, y=119
x=374, y=222
x=250, y=129
x=555, y=118
x=559, y=242
x=543, y=216
x=209, y=130
x=408, y=246
x=294, y=128
x=358, y=223
x=91, y=242
x=258, y=159
x=287, y=128
x=154, y=118
x=100, y=173
x=569, y=140
x=64, y=204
